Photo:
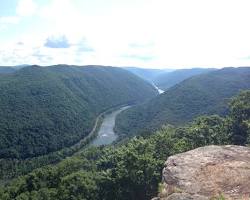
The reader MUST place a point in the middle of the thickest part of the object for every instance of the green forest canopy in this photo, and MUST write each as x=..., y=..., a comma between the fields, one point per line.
x=202, y=94
x=44, y=109
x=131, y=170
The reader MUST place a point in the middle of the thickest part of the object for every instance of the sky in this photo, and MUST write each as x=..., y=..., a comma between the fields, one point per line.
x=143, y=33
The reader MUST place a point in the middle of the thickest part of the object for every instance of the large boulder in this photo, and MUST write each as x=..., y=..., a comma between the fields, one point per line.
x=207, y=172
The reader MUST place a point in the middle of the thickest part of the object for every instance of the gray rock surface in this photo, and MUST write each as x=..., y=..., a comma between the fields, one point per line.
x=207, y=172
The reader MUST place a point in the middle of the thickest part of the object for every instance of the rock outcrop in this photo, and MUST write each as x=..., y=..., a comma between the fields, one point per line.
x=207, y=172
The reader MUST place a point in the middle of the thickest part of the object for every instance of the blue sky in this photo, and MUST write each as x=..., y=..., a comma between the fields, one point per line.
x=146, y=33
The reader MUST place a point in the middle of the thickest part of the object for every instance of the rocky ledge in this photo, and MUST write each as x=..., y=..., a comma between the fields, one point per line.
x=207, y=172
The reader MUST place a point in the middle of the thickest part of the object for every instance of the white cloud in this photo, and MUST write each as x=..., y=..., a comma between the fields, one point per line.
x=9, y=20
x=26, y=8
x=162, y=33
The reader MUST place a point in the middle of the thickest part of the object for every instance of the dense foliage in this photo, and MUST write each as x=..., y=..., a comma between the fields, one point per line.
x=44, y=109
x=202, y=94
x=169, y=79
x=129, y=171
x=240, y=119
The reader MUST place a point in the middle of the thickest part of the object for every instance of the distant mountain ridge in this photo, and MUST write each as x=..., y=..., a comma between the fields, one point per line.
x=147, y=74
x=44, y=109
x=6, y=70
x=169, y=79
x=207, y=93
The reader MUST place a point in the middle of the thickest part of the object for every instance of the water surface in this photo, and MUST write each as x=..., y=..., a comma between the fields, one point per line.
x=160, y=91
x=106, y=134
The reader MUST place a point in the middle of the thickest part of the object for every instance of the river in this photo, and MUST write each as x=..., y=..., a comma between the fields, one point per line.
x=160, y=91
x=106, y=134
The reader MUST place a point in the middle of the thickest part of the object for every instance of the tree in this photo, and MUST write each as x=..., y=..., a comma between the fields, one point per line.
x=239, y=118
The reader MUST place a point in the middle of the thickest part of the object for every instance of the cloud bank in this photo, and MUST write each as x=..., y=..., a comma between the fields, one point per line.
x=161, y=33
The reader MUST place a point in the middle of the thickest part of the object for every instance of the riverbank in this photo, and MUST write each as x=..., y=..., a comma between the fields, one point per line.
x=16, y=167
x=106, y=134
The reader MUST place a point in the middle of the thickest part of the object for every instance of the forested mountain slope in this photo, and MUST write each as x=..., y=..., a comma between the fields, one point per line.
x=169, y=79
x=6, y=70
x=202, y=94
x=44, y=109
x=147, y=74
x=131, y=170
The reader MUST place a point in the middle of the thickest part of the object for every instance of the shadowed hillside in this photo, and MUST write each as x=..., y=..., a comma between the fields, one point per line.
x=133, y=169
x=202, y=94
x=6, y=70
x=147, y=74
x=169, y=79
x=46, y=109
